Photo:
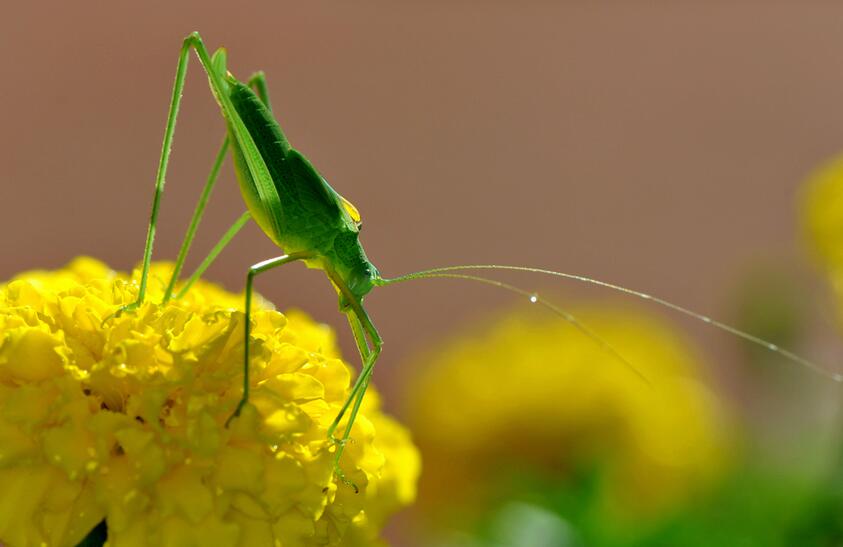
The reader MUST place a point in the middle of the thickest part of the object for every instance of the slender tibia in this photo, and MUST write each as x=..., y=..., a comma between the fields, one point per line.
x=221, y=244
x=357, y=393
x=160, y=176
x=258, y=268
x=361, y=326
x=365, y=354
x=365, y=375
x=197, y=218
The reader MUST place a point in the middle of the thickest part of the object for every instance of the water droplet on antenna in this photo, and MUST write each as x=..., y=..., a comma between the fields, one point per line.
x=534, y=298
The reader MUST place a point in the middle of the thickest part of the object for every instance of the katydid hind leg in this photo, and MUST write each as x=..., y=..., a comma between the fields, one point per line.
x=270, y=201
x=243, y=139
x=160, y=177
x=257, y=82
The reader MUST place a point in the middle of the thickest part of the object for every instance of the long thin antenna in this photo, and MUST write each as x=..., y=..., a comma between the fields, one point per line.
x=835, y=376
x=534, y=299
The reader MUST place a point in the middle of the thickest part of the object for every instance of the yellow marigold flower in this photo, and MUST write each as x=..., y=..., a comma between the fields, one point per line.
x=534, y=393
x=125, y=421
x=823, y=219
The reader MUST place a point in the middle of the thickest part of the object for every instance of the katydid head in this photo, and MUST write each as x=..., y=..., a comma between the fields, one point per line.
x=348, y=265
x=362, y=279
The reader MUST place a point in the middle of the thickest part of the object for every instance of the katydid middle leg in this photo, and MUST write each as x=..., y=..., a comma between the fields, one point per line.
x=214, y=253
x=196, y=219
x=256, y=269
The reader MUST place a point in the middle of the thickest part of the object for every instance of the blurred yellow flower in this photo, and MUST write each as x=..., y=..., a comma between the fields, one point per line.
x=823, y=219
x=125, y=421
x=534, y=393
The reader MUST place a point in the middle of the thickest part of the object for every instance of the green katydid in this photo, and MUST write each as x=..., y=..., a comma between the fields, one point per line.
x=297, y=209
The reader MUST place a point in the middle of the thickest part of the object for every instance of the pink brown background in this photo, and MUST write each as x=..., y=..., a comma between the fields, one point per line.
x=658, y=147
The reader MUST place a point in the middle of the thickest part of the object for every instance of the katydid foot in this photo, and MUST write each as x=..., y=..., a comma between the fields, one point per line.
x=340, y=444
x=124, y=308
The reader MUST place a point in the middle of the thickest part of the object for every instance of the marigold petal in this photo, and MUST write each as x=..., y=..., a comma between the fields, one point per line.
x=125, y=418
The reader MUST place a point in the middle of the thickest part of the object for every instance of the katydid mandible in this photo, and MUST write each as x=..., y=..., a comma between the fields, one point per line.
x=300, y=212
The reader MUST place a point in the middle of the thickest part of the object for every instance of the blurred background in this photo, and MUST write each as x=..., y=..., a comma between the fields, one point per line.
x=659, y=147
